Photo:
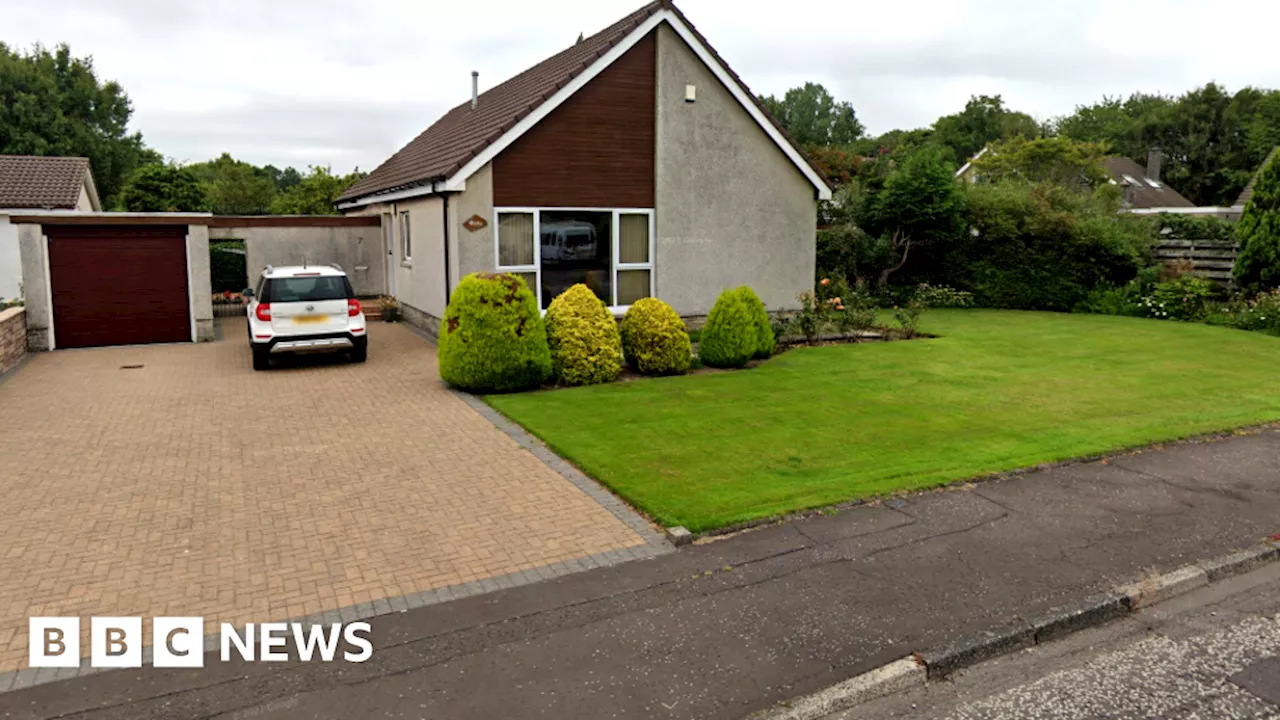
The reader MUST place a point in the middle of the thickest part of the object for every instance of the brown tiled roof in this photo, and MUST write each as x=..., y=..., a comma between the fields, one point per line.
x=1247, y=194
x=1142, y=194
x=29, y=181
x=464, y=132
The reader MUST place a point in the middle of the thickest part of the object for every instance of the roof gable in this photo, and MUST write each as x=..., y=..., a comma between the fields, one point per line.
x=48, y=183
x=1139, y=190
x=466, y=138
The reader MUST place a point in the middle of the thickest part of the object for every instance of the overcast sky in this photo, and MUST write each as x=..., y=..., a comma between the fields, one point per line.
x=300, y=82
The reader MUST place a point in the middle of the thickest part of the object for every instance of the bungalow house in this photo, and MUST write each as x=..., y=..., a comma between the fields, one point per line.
x=634, y=161
x=29, y=182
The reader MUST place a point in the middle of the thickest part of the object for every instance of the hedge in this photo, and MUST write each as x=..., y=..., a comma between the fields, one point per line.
x=493, y=338
x=654, y=338
x=583, y=336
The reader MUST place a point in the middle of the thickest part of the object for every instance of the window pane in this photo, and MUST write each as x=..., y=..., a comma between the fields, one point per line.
x=530, y=279
x=515, y=239
x=633, y=239
x=406, y=237
x=306, y=289
x=576, y=247
x=632, y=285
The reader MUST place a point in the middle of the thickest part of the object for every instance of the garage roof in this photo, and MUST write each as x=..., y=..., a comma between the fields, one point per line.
x=50, y=183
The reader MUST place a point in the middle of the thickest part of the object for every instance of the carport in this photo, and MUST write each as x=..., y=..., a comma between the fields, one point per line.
x=95, y=279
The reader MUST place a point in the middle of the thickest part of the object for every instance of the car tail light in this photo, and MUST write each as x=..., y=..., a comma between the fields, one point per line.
x=353, y=307
x=263, y=312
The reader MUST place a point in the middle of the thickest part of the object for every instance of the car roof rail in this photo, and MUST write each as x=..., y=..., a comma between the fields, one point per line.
x=337, y=267
x=269, y=270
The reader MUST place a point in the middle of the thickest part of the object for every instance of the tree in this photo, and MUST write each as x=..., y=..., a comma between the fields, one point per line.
x=315, y=194
x=1057, y=160
x=284, y=179
x=813, y=117
x=1259, y=233
x=902, y=206
x=234, y=187
x=163, y=188
x=53, y=104
x=984, y=120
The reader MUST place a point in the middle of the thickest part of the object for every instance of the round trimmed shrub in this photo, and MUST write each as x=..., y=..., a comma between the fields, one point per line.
x=729, y=338
x=654, y=338
x=583, y=336
x=492, y=338
x=765, y=341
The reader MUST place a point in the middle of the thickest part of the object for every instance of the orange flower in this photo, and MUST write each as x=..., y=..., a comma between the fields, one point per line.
x=840, y=307
x=826, y=282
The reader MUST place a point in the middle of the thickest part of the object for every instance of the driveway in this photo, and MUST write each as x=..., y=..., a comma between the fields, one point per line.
x=175, y=480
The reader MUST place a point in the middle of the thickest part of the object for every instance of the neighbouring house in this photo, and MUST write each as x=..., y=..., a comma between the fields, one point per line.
x=29, y=182
x=634, y=161
x=1141, y=187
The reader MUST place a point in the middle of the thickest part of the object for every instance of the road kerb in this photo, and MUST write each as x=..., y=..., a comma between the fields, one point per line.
x=920, y=668
x=885, y=680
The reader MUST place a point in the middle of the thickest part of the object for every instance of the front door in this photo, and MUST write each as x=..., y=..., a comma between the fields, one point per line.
x=389, y=250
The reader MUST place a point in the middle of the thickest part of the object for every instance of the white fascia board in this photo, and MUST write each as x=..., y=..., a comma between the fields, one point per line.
x=418, y=191
x=1180, y=210
x=586, y=76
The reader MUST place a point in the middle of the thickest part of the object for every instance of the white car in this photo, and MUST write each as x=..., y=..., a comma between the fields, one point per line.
x=302, y=310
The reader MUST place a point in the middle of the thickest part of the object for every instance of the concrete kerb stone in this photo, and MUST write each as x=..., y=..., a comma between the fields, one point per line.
x=895, y=677
x=1240, y=562
x=942, y=661
x=1162, y=587
x=1065, y=620
x=1057, y=623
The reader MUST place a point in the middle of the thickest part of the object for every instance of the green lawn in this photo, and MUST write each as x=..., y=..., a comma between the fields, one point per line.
x=814, y=426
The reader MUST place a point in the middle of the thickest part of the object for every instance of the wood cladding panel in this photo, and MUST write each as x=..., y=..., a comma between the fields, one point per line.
x=596, y=149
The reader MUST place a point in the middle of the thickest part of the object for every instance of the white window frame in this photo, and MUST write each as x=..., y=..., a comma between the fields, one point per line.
x=406, y=241
x=614, y=265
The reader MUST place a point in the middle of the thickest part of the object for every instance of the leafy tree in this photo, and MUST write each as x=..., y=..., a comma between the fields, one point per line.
x=1259, y=232
x=1058, y=160
x=1213, y=141
x=1044, y=247
x=315, y=195
x=284, y=179
x=53, y=104
x=163, y=188
x=234, y=187
x=813, y=117
x=984, y=120
x=901, y=206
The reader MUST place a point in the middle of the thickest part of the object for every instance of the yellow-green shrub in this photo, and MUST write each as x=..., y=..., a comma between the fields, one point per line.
x=765, y=341
x=729, y=338
x=492, y=338
x=583, y=337
x=654, y=339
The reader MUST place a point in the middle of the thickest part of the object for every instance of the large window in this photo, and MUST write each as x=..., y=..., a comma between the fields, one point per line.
x=610, y=251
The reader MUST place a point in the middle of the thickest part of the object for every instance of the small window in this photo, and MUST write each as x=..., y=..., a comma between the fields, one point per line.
x=1152, y=183
x=406, y=241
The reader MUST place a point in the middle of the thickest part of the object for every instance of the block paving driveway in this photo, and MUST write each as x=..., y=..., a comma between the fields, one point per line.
x=193, y=485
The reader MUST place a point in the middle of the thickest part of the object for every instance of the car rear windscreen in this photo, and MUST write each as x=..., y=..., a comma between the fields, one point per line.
x=306, y=289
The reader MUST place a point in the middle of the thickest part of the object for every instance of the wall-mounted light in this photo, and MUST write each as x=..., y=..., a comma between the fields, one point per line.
x=690, y=93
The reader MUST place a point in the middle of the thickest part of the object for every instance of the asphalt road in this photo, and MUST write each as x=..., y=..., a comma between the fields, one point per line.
x=731, y=627
x=1213, y=653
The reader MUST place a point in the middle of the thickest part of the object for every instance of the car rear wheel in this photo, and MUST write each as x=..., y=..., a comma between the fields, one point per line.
x=261, y=360
x=360, y=353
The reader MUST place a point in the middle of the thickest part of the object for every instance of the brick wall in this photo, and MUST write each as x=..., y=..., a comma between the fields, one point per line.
x=13, y=337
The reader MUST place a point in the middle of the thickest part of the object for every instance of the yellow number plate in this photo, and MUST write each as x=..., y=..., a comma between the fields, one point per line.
x=309, y=319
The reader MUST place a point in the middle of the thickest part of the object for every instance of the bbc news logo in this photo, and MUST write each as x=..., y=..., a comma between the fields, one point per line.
x=178, y=642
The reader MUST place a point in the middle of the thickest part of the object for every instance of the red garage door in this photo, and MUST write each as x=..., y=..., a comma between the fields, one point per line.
x=118, y=284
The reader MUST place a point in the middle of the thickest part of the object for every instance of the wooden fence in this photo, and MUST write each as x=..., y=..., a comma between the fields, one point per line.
x=1212, y=259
